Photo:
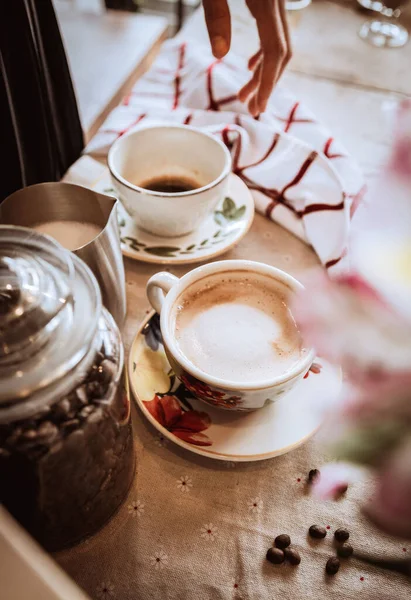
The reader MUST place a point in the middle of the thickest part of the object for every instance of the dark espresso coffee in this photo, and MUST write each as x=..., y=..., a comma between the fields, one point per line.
x=170, y=185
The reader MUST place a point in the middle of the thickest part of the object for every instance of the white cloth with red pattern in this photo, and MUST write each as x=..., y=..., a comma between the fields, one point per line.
x=299, y=175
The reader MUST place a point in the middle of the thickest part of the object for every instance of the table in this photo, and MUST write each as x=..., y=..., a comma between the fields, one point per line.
x=107, y=53
x=159, y=545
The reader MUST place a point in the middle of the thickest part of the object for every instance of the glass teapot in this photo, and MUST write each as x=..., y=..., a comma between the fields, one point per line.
x=66, y=448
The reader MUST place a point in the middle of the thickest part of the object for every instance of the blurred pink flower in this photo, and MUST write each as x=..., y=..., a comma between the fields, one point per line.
x=400, y=162
x=362, y=320
x=335, y=477
x=348, y=322
x=390, y=507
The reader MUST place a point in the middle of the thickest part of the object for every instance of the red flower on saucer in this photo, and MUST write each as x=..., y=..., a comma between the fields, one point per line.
x=186, y=425
x=208, y=394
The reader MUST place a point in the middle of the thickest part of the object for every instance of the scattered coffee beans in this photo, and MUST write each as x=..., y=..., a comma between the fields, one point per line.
x=332, y=566
x=345, y=550
x=275, y=556
x=317, y=532
x=282, y=541
x=341, y=535
x=292, y=556
x=313, y=475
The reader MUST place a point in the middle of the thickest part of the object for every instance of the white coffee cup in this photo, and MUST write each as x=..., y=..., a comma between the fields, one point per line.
x=176, y=151
x=164, y=291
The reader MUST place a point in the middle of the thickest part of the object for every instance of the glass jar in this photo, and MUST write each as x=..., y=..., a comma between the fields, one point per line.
x=66, y=447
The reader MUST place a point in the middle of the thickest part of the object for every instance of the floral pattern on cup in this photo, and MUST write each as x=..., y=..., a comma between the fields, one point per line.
x=210, y=394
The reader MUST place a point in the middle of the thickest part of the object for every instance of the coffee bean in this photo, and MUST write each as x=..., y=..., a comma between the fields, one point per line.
x=76, y=438
x=86, y=411
x=292, y=556
x=341, y=535
x=345, y=550
x=69, y=426
x=332, y=566
x=282, y=541
x=95, y=416
x=81, y=395
x=62, y=409
x=55, y=448
x=317, y=532
x=109, y=370
x=313, y=475
x=47, y=432
x=94, y=390
x=275, y=556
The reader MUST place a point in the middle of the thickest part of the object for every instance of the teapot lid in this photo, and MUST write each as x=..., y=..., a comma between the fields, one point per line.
x=50, y=303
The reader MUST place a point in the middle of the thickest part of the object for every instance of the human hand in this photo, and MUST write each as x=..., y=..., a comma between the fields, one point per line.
x=271, y=59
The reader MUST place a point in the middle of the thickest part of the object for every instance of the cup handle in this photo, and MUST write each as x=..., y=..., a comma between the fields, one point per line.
x=157, y=288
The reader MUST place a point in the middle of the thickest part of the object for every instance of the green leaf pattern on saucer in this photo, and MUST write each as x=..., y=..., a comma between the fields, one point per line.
x=226, y=219
x=229, y=213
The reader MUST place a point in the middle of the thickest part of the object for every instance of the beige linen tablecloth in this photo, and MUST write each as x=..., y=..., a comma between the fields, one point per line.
x=207, y=539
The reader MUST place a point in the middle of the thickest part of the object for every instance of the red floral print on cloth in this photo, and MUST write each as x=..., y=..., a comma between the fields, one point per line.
x=211, y=395
x=186, y=425
x=315, y=368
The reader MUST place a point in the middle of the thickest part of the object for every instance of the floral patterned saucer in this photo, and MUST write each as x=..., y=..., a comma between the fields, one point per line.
x=219, y=232
x=223, y=434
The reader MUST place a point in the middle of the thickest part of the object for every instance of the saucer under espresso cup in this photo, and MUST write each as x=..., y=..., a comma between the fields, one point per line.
x=229, y=334
x=224, y=435
x=170, y=178
x=217, y=234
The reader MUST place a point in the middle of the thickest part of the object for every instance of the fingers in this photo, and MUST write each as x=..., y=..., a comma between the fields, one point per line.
x=287, y=36
x=255, y=59
x=251, y=85
x=270, y=61
x=270, y=30
x=253, y=105
x=218, y=20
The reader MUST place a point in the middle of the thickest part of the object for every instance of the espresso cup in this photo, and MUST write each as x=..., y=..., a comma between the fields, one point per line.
x=170, y=178
x=229, y=334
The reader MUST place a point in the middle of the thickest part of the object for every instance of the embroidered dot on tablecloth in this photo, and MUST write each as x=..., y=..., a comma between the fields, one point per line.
x=136, y=508
x=209, y=532
x=255, y=505
x=184, y=484
x=105, y=590
x=159, y=560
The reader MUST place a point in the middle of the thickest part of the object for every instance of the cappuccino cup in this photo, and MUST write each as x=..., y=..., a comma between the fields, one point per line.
x=229, y=333
x=170, y=178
